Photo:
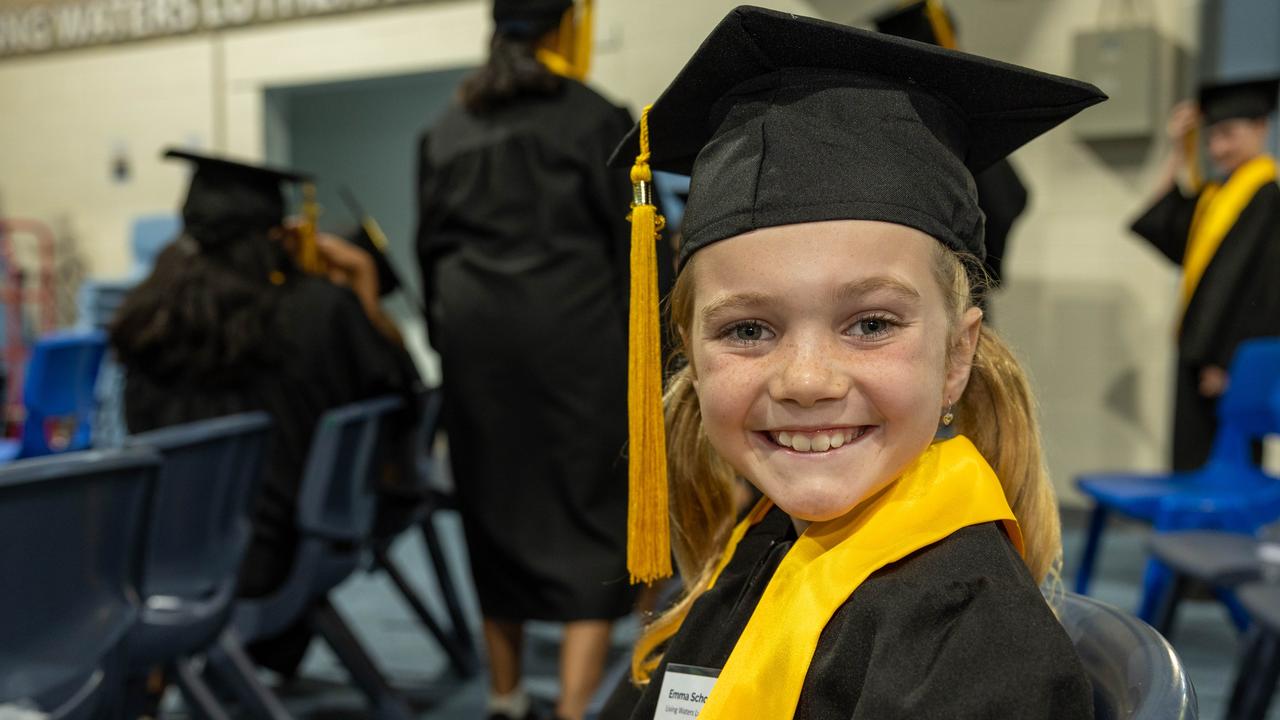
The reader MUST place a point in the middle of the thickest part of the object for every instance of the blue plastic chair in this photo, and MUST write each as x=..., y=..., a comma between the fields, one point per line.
x=1249, y=410
x=71, y=543
x=1136, y=675
x=199, y=531
x=415, y=506
x=59, y=387
x=336, y=507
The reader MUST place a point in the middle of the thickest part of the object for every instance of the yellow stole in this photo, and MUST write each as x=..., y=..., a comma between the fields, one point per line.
x=949, y=487
x=1216, y=213
x=572, y=58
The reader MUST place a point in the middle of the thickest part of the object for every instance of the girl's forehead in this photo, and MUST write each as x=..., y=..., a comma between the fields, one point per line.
x=837, y=250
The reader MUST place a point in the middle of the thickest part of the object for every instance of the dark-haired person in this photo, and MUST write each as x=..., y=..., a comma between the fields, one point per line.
x=524, y=265
x=226, y=323
x=1226, y=238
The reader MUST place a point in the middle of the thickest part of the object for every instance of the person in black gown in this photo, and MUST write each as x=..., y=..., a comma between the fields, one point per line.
x=837, y=360
x=524, y=270
x=226, y=323
x=1229, y=292
x=1001, y=194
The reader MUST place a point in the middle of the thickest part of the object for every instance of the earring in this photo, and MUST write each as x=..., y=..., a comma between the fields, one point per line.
x=949, y=416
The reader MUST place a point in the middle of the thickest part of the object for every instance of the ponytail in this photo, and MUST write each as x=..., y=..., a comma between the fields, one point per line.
x=997, y=412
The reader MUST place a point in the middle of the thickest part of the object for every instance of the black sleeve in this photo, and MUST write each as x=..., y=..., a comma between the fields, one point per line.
x=1167, y=224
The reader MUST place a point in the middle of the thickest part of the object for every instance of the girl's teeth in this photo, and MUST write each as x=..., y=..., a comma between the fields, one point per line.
x=817, y=442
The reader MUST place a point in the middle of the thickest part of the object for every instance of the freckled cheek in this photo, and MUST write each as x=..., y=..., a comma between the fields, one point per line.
x=727, y=389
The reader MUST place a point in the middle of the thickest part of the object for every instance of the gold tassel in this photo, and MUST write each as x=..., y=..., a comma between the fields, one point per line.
x=648, y=531
x=942, y=29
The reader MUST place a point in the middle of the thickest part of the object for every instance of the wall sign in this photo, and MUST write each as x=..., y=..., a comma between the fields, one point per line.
x=52, y=26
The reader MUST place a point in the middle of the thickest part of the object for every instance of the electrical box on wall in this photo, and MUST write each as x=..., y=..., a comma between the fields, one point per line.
x=1139, y=70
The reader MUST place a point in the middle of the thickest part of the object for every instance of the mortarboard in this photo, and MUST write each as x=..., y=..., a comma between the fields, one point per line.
x=368, y=236
x=229, y=195
x=925, y=21
x=1241, y=99
x=781, y=119
x=528, y=18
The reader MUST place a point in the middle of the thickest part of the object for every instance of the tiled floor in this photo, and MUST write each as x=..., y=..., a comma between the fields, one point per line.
x=1206, y=641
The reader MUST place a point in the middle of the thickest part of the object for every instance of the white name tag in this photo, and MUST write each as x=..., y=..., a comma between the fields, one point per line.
x=685, y=690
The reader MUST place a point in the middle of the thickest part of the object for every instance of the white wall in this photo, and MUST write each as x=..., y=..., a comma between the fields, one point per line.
x=1087, y=305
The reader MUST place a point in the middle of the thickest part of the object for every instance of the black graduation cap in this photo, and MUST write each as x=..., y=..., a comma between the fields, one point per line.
x=923, y=21
x=368, y=236
x=528, y=18
x=226, y=194
x=1238, y=99
x=783, y=119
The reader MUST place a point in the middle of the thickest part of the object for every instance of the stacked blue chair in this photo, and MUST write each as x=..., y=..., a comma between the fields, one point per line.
x=336, y=510
x=199, y=531
x=1136, y=675
x=1229, y=493
x=71, y=545
x=58, y=391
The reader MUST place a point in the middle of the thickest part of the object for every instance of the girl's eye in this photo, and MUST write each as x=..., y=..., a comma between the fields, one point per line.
x=872, y=327
x=746, y=333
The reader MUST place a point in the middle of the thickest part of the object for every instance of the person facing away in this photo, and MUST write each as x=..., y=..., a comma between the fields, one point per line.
x=1001, y=195
x=1225, y=235
x=226, y=323
x=824, y=301
x=524, y=266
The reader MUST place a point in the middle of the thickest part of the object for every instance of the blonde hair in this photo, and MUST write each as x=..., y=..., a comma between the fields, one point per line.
x=997, y=412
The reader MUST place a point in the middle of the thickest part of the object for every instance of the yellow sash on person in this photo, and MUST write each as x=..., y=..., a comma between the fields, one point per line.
x=949, y=487
x=572, y=58
x=1216, y=213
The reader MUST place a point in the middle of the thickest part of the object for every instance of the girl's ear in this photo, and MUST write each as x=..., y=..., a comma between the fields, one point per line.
x=962, y=350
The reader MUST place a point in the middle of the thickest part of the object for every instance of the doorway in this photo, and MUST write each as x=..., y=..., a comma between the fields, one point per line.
x=363, y=135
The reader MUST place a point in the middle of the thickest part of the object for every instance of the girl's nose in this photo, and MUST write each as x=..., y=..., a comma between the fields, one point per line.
x=807, y=375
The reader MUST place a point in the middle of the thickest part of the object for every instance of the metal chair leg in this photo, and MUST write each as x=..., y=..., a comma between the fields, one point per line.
x=1093, y=538
x=457, y=618
x=1167, y=608
x=200, y=699
x=1256, y=676
x=387, y=703
x=229, y=661
x=461, y=661
x=1156, y=577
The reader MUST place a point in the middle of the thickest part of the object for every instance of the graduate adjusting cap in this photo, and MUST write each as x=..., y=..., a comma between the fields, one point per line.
x=925, y=21
x=228, y=197
x=782, y=119
x=1241, y=99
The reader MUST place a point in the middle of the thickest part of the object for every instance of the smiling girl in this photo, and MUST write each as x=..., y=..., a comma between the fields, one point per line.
x=825, y=305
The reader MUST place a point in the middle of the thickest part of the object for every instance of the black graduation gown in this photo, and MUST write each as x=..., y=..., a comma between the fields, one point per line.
x=523, y=246
x=1237, y=298
x=334, y=356
x=957, y=630
x=1002, y=198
